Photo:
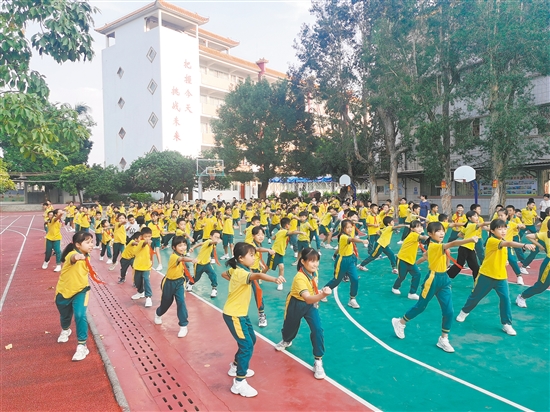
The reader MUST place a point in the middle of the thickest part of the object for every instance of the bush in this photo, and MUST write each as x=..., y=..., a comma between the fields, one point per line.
x=115, y=198
x=142, y=197
x=288, y=195
x=329, y=194
x=365, y=196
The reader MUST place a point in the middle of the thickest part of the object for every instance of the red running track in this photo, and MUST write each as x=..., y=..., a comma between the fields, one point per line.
x=157, y=371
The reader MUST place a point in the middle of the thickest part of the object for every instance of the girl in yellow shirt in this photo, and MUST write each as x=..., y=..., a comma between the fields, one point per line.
x=53, y=239
x=71, y=292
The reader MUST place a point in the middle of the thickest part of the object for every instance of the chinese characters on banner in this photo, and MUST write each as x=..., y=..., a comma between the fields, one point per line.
x=182, y=103
x=176, y=112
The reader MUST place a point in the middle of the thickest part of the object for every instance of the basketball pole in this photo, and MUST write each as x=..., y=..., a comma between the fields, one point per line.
x=200, y=187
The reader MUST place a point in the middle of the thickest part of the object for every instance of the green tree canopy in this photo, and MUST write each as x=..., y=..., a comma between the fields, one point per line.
x=5, y=182
x=75, y=179
x=268, y=127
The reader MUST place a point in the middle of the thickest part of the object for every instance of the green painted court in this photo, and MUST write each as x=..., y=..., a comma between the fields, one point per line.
x=489, y=371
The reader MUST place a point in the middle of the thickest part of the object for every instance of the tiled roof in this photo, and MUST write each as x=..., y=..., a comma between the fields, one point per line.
x=158, y=4
x=241, y=62
x=224, y=40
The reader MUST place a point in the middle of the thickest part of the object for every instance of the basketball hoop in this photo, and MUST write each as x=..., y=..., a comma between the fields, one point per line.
x=211, y=171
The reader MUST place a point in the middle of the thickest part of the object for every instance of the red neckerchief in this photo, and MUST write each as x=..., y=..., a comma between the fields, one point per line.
x=447, y=252
x=312, y=279
x=92, y=272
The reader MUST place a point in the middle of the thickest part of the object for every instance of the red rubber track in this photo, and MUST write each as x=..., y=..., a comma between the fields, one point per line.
x=37, y=373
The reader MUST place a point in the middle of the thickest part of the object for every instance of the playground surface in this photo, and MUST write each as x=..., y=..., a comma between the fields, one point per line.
x=368, y=367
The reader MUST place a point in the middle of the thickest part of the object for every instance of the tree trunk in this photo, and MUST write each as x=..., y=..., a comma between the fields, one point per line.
x=80, y=197
x=262, y=190
x=390, y=139
x=499, y=193
x=190, y=192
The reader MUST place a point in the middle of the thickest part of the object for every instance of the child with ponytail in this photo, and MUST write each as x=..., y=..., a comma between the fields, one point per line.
x=235, y=314
x=71, y=292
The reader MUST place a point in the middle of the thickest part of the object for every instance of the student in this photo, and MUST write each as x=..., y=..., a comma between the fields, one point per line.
x=131, y=227
x=529, y=218
x=119, y=238
x=228, y=234
x=143, y=262
x=424, y=208
x=171, y=227
x=373, y=226
x=406, y=260
x=347, y=261
x=172, y=285
x=403, y=210
x=254, y=221
x=106, y=239
x=53, y=239
x=127, y=256
x=258, y=236
x=414, y=214
x=71, y=292
x=277, y=259
x=466, y=252
x=433, y=216
x=326, y=225
x=235, y=314
x=69, y=216
x=459, y=219
x=480, y=251
x=313, y=220
x=383, y=245
x=203, y=264
x=156, y=233
x=436, y=283
x=305, y=228
x=84, y=220
x=493, y=276
x=303, y=302
x=199, y=226
x=543, y=281
x=98, y=230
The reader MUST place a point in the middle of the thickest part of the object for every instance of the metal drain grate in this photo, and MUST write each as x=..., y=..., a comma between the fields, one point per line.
x=161, y=380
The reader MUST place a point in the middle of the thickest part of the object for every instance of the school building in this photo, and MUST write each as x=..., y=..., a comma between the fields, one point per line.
x=533, y=181
x=164, y=77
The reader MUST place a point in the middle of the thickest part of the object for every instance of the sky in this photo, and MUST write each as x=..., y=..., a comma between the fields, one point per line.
x=265, y=29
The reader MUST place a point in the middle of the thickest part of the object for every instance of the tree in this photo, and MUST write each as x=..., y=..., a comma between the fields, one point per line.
x=268, y=127
x=27, y=119
x=75, y=179
x=168, y=172
x=104, y=183
x=5, y=182
x=507, y=43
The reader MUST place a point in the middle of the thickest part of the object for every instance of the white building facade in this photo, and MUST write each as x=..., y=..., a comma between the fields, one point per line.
x=164, y=78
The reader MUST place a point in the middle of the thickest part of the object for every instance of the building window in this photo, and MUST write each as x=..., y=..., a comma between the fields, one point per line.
x=122, y=133
x=152, y=86
x=204, y=98
x=204, y=70
x=122, y=163
x=151, y=54
x=153, y=120
x=121, y=102
x=220, y=74
x=205, y=128
x=476, y=127
x=120, y=72
x=543, y=123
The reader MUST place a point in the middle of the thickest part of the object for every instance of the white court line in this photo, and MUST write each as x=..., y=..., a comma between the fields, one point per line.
x=425, y=365
x=10, y=224
x=331, y=381
x=5, y=294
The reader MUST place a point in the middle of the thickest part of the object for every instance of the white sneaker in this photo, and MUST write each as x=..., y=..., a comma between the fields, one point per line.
x=324, y=299
x=527, y=267
x=282, y=345
x=212, y=261
x=398, y=328
x=294, y=263
x=319, y=252
x=400, y=242
x=224, y=257
x=64, y=335
x=109, y=262
x=189, y=287
x=112, y=267
x=262, y=320
x=461, y=316
x=413, y=296
x=57, y=268
x=444, y=344
x=214, y=293
x=148, y=302
x=243, y=388
x=523, y=271
x=81, y=352
x=159, y=268
x=233, y=371
x=183, y=332
x=509, y=330
x=362, y=268
x=394, y=271
x=353, y=304
x=520, y=281
x=521, y=302
x=280, y=287
x=295, y=254
x=138, y=296
x=269, y=241
x=158, y=320
x=101, y=258
x=327, y=246
x=45, y=265
x=318, y=370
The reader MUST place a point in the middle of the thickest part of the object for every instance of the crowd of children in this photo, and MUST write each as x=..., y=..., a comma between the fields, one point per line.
x=133, y=235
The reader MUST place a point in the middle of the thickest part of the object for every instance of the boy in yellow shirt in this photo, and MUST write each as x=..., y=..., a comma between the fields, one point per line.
x=383, y=245
x=143, y=262
x=203, y=264
x=119, y=238
x=156, y=232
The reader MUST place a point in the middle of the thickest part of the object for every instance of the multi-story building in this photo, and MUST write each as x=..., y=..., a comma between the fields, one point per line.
x=164, y=77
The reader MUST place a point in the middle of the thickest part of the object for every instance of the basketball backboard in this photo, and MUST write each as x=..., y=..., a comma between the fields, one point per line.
x=345, y=180
x=210, y=168
x=464, y=174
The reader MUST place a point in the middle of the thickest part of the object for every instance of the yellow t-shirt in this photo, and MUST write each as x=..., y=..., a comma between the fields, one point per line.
x=120, y=233
x=409, y=249
x=293, y=222
x=248, y=234
x=210, y=224
x=306, y=228
x=84, y=221
x=459, y=219
x=235, y=213
x=228, y=226
x=385, y=237
x=372, y=220
x=155, y=228
x=172, y=225
x=470, y=230
x=437, y=258
x=345, y=248
x=496, y=256
x=325, y=221
x=432, y=217
x=143, y=261
x=107, y=236
x=240, y=293
x=248, y=215
x=175, y=267
x=73, y=278
x=276, y=219
x=300, y=284
x=528, y=216
x=512, y=231
x=203, y=257
x=403, y=210
x=129, y=251
x=364, y=213
x=543, y=236
x=54, y=230
x=544, y=225
x=279, y=246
